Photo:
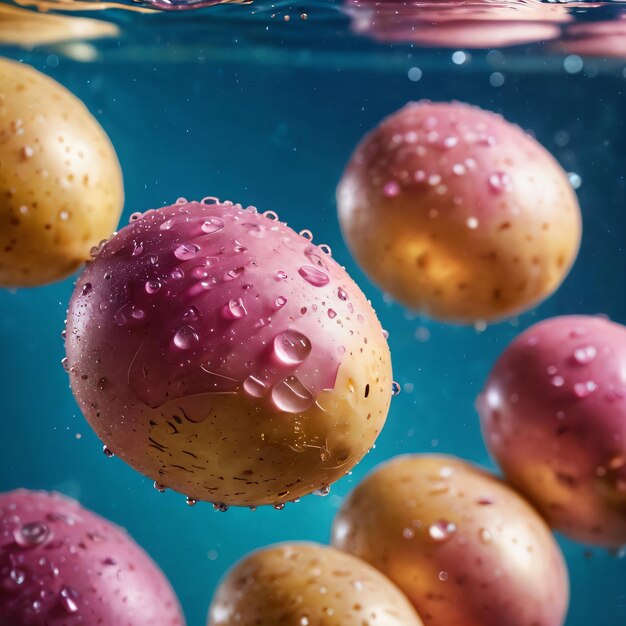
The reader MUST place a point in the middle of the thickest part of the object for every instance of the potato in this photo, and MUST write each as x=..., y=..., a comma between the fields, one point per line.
x=457, y=24
x=458, y=214
x=227, y=357
x=464, y=547
x=61, y=565
x=27, y=28
x=553, y=414
x=60, y=181
x=304, y=584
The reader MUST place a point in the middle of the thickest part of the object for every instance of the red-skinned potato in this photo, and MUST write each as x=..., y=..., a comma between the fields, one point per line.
x=304, y=584
x=458, y=214
x=62, y=565
x=463, y=546
x=553, y=414
x=226, y=356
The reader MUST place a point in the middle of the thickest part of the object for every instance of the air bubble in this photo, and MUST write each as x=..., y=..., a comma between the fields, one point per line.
x=395, y=388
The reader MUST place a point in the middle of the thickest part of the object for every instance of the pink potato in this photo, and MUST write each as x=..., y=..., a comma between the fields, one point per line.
x=227, y=357
x=458, y=214
x=464, y=547
x=553, y=414
x=457, y=24
x=62, y=565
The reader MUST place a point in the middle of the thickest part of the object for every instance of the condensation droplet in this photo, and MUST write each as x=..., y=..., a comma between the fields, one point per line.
x=585, y=355
x=441, y=530
x=152, y=286
x=254, y=387
x=235, y=309
x=291, y=396
x=185, y=338
x=313, y=276
x=32, y=534
x=584, y=389
x=212, y=225
x=69, y=599
x=292, y=347
x=186, y=251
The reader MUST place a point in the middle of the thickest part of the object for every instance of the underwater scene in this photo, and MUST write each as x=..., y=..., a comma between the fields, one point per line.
x=312, y=313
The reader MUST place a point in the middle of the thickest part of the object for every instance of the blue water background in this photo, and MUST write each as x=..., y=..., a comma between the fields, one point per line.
x=277, y=135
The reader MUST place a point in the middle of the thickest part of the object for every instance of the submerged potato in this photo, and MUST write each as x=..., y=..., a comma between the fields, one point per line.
x=457, y=23
x=464, y=547
x=227, y=357
x=458, y=214
x=60, y=181
x=62, y=565
x=308, y=585
x=553, y=414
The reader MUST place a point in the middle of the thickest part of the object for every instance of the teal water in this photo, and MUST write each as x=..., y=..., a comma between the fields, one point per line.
x=263, y=126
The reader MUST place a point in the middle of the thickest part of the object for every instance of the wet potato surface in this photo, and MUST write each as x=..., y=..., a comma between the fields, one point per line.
x=458, y=214
x=62, y=565
x=462, y=545
x=60, y=181
x=305, y=584
x=227, y=357
x=553, y=414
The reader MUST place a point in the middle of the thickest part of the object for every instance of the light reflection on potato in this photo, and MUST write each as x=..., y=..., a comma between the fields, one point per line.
x=60, y=182
x=308, y=585
x=458, y=214
x=464, y=547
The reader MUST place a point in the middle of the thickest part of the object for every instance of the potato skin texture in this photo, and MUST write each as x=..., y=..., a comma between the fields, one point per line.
x=165, y=356
x=61, y=188
x=307, y=584
x=553, y=414
x=82, y=569
x=458, y=214
x=464, y=547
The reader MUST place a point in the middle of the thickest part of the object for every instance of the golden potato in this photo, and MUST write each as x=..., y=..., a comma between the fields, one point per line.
x=464, y=547
x=308, y=585
x=60, y=181
x=458, y=214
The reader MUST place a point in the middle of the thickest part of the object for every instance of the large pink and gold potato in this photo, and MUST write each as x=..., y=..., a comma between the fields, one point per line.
x=61, y=565
x=61, y=188
x=227, y=357
x=553, y=414
x=458, y=214
x=464, y=547
x=304, y=584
